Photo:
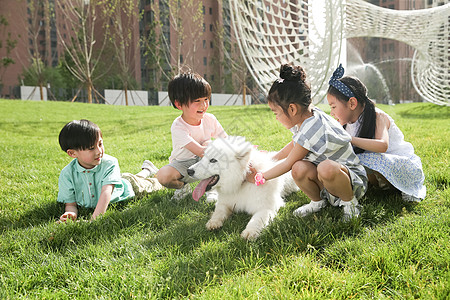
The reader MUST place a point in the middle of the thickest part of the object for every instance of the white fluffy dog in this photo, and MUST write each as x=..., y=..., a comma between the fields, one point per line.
x=225, y=165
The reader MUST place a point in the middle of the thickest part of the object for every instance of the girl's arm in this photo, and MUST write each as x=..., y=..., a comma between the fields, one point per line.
x=381, y=141
x=71, y=212
x=103, y=200
x=297, y=153
x=283, y=153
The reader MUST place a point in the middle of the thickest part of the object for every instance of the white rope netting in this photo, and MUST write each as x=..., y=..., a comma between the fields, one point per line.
x=271, y=33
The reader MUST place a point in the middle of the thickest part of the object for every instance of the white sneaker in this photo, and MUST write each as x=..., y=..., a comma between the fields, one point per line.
x=211, y=196
x=410, y=198
x=183, y=192
x=148, y=169
x=351, y=209
x=149, y=166
x=311, y=207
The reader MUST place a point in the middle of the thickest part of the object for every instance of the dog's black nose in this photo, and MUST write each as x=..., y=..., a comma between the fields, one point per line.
x=190, y=172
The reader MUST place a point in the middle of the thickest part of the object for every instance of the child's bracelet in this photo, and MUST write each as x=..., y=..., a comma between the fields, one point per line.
x=259, y=178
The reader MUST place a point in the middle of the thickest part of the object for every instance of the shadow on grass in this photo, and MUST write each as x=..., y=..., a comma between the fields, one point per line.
x=176, y=233
x=205, y=255
x=44, y=213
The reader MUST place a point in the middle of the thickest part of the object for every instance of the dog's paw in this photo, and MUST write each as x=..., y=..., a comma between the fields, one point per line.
x=250, y=234
x=213, y=224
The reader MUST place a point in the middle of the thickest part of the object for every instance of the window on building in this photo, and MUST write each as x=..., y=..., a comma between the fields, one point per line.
x=210, y=27
x=181, y=58
x=205, y=61
x=204, y=44
x=203, y=9
x=212, y=77
x=210, y=10
x=204, y=27
x=211, y=44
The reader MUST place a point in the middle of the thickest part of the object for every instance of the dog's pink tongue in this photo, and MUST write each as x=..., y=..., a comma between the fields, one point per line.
x=200, y=189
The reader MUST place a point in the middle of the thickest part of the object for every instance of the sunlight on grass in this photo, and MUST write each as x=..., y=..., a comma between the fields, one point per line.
x=152, y=247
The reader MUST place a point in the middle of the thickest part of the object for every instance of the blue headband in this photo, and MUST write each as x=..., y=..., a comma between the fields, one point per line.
x=340, y=86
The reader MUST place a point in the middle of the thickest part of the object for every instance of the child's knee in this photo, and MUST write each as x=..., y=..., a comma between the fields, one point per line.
x=327, y=170
x=166, y=175
x=163, y=177
x=302, y=169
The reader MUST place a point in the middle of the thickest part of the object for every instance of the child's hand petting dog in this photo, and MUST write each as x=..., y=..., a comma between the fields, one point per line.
x=251, y=174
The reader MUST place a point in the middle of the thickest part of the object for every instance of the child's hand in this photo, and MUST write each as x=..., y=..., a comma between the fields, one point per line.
x=68, y=215
x=251, y=174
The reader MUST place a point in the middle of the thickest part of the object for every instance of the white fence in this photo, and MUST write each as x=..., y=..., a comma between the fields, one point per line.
x=135, y=98
x=32, y=93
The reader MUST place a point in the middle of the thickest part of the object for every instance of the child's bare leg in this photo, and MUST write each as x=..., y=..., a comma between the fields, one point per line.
x=169, y=177
x=336, y=179
x=304, y=174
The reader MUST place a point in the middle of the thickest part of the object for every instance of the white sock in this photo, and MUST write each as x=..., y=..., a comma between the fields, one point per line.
x=144, y=173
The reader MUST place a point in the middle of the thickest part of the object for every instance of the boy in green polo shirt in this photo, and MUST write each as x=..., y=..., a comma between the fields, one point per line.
x=93, y=178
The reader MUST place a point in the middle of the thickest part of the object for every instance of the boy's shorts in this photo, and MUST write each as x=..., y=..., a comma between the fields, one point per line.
x=182, y=166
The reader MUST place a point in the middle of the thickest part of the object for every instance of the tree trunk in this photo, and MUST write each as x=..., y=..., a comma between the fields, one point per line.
x=89, y=92
x=41, y=91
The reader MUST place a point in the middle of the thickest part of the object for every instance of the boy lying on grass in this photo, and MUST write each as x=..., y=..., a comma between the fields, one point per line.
x=92, y=178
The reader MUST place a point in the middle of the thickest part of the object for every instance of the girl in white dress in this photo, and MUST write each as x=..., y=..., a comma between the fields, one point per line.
x=389, y=160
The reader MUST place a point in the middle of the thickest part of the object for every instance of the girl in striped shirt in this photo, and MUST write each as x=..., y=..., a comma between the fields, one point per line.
x=320, y=154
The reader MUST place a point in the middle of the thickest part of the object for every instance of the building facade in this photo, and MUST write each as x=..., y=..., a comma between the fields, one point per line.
x=170, y=35
x=31, y=26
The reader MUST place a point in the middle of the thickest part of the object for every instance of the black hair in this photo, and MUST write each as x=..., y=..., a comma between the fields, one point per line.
x=369, y=117
x=79, y=135
x=188, y=86
x=290, y=88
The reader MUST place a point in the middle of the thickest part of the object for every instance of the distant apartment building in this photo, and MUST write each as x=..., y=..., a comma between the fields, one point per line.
x=199, y=36
x=32, y=27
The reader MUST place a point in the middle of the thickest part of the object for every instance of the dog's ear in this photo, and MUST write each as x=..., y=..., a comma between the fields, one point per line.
x=243, y=151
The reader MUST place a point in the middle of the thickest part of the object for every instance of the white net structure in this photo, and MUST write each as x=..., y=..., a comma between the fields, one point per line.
x=312, y=33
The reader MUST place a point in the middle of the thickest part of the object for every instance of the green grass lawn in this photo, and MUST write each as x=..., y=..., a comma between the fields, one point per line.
x=152, y=247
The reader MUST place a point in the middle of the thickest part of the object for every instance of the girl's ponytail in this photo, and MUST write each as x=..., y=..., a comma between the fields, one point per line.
x=368, y=122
